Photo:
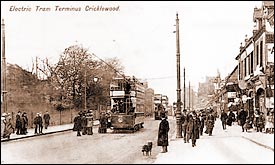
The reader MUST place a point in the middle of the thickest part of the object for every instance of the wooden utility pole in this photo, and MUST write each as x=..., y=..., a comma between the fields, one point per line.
x=189, y=96
x=85, y=87
x=178, y=112
x=4, y=67
x=184, y=89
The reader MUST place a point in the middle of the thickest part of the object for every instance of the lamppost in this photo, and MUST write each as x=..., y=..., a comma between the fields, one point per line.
x=3, y=80
x=95, y=79
x=178, y=112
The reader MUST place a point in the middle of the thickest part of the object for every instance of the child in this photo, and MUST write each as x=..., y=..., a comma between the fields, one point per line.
x=248, y=124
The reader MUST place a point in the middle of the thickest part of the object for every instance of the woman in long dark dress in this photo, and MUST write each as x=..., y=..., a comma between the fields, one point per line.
x=163, y=134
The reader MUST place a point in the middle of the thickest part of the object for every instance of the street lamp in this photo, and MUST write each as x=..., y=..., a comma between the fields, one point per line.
x=96, y=79
x=178, y=112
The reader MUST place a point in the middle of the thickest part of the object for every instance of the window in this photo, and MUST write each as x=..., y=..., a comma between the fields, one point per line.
x=251, y=62
x=239, y=69
x=257, y=54
x=248, y=65
x=261, y=53
x=245, y=71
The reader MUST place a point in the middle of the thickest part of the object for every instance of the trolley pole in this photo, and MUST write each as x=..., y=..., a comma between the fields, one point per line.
x=3, y=69
x=178, y=112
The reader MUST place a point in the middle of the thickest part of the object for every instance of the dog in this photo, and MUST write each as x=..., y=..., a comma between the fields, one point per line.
x=147, y=148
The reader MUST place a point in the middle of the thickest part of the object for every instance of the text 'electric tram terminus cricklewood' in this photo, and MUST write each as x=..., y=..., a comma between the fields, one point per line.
x=127, y=102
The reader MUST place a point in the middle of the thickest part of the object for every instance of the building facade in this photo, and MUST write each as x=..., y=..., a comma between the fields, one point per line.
x=256, y=63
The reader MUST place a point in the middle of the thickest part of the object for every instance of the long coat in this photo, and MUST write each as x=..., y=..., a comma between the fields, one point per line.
x=231, y=118
x=224, y=117
x=163, y=133
x=242, y=117
x=193, y=128
x=261, y=122
x=210, y=121
x=18, y=123
x=47, y=118
x=77, y=123
x=24, y=122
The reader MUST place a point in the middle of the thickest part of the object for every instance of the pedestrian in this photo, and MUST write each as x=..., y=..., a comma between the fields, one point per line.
x=8, y=129
x=3, y=117
x=103, y=122
x=248, y=124
x=163, y=134
x=36, y=123
x=46, y=118
x=269, y=125
x=84, y=123
x=210, y=123
x=18, y=124
x=198, y=124
x=261, y=122
x=223, y=119
x=202, y=121
x=184, y=122
x=24, y=121
x=90, y=123
x=40, y=123
x=193, y=128
x=231, y=118
x=188, y=130
x=77, y=121
x=242, y=118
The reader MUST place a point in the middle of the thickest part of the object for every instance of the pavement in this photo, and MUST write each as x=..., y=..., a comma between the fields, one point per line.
x=263, y=139
x=49, y=130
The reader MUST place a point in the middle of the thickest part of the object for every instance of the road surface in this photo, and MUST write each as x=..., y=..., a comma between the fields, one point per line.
x=62, y=148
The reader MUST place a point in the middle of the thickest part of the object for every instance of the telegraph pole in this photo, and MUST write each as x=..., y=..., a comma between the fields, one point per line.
x=184, y=88
x=189, y=96
x=4, y=82
x=85, y=87
x=178, y=112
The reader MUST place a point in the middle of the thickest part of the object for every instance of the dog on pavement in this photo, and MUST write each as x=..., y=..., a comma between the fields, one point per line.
x=147, y=148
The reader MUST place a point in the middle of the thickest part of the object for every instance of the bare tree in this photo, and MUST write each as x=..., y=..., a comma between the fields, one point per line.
x=68, y=80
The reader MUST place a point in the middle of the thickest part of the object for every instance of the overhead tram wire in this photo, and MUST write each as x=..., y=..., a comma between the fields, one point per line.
x=116, y=71
x=153, y=78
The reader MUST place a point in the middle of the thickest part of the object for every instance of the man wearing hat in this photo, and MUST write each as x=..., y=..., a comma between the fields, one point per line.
x=77, y=123
x=184, y=122
x=36, y=123
x=18, y=123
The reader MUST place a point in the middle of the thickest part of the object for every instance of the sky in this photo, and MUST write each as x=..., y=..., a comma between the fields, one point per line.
x=140, y=34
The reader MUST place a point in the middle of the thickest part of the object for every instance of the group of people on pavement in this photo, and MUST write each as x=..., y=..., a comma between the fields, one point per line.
x=20, y=126
x=258, y=121
x=38, y=122
x=193, y=124
x=83, y=123
x=21, y=123
x=227, y=119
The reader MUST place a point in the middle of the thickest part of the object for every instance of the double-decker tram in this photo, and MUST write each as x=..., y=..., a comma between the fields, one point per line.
x=127, y=102
x=160, y=106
